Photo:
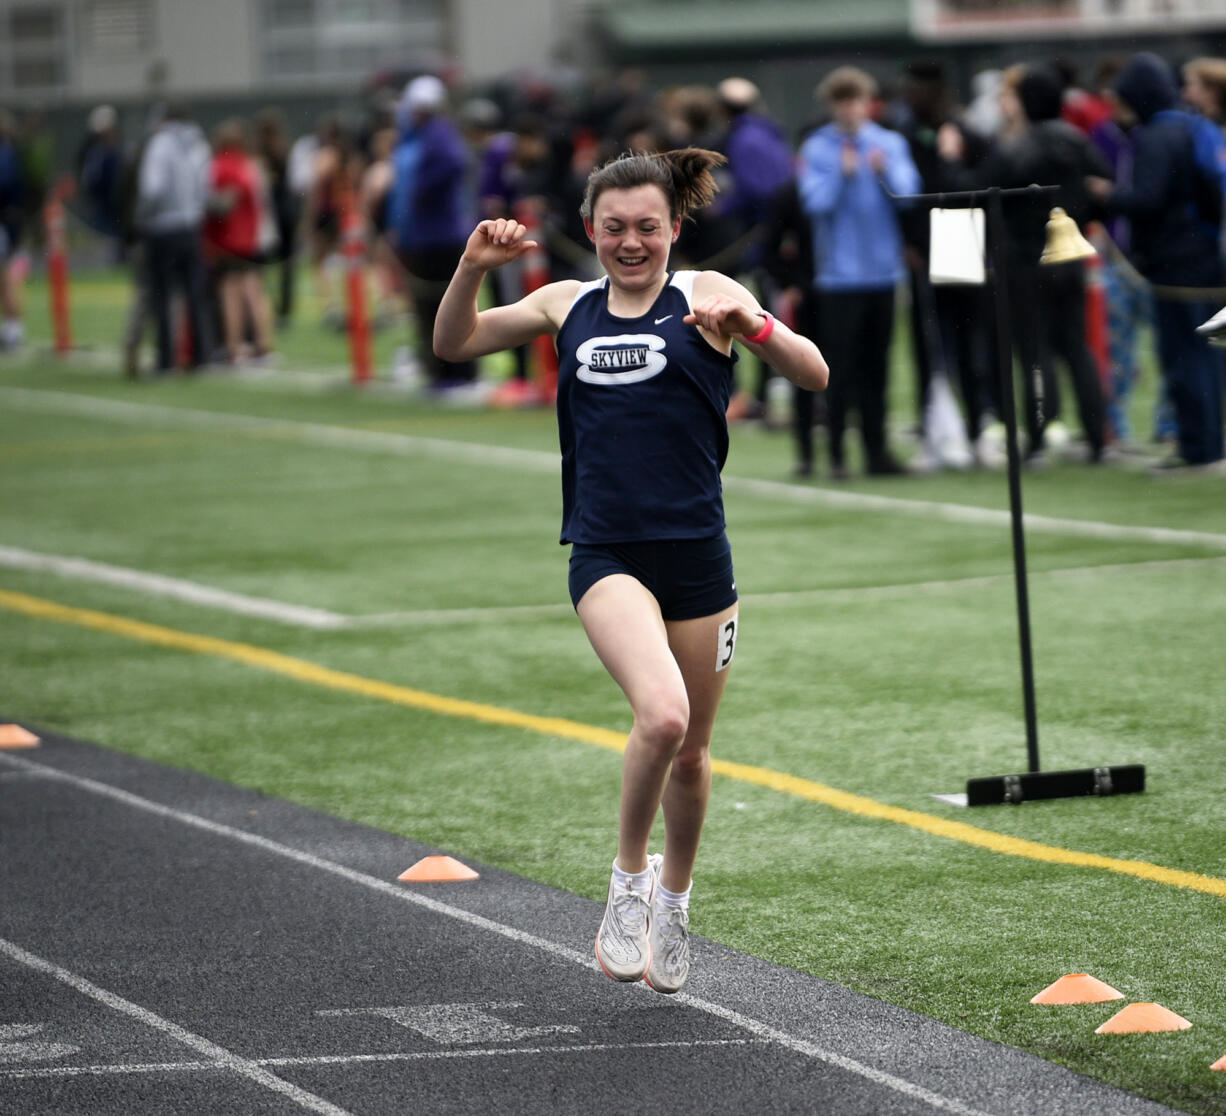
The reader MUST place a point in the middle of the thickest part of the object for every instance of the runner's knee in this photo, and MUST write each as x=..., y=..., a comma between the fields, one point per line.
x=662, y=720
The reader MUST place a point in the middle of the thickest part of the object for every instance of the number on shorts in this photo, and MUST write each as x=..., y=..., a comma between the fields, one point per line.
x=727, y=643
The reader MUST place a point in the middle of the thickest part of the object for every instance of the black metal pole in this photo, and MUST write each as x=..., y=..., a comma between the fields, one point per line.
x=1034, y=784
x=1008, y=406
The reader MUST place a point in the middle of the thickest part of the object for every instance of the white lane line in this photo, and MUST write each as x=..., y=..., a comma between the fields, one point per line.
x=308, y=1060
x=315, y=433
x=313, y=380
x=908, y=589
x=221, y=1057
x=119, y=1069
x=475, y=615
x=320, y=619
x=57, y=402
x=266, y=608
x=495, y=1052
x=159, y=585
x=753, y=1026
x=971, y=515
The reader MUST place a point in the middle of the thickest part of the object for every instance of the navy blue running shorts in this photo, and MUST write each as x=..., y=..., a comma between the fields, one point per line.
x=688, y=577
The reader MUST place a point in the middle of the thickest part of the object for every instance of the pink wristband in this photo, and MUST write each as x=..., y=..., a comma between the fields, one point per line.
x=763, y=335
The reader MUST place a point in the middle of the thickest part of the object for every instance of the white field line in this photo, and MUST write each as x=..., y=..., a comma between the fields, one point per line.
x=102, y=363
x=175, y=588
x=318, y=619
x=585, y=960
x=322, y=434
x=972, y=516
x=220, y=1057
x=121, y=1068
x=303, y=616
x=907, y=589
x=313, y=433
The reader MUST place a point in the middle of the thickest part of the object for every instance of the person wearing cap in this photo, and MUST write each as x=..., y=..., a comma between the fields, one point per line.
x=1175, y=230
x=429, y=216
x=853, y=175
x=99, y=169
x=759, y=157
x=760, y=164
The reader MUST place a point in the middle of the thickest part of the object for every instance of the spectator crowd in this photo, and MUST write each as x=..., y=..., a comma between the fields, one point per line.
x=831, y=226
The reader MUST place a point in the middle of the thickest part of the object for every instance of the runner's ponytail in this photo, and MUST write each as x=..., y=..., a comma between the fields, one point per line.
x=684, y=176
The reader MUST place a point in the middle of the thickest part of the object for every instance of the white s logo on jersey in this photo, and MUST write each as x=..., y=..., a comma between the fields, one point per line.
x=628, y=358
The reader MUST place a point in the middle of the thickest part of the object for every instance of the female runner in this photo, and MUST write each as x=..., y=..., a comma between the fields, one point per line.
x=645, y=372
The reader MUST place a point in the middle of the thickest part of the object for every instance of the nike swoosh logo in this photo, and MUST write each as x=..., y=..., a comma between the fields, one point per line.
x=663, y=319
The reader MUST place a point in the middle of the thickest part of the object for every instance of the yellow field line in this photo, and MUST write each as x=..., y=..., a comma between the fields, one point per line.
x=807, y=789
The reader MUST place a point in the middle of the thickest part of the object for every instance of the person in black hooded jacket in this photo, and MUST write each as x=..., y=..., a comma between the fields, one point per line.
x=1174, y=245
x=1047, y=302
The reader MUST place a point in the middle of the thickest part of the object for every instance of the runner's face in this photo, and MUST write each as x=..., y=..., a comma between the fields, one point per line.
x=633, y=234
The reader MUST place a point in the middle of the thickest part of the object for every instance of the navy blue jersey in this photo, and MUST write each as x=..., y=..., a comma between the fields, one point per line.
x=641, y=404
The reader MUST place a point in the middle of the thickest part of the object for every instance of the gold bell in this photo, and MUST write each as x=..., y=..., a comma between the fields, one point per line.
x=1064, y=240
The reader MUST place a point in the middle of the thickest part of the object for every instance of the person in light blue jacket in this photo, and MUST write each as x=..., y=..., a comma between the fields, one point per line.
x=853, y=178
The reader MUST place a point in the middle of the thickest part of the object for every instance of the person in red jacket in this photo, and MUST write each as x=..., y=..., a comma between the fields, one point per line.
x=235, y=236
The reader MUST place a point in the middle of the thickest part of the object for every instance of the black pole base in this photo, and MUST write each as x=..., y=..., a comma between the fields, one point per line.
x=1128, y=778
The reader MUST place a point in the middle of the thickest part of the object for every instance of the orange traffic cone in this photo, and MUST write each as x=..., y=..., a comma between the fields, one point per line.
x=437, y=869
x=1077, y=988
x=14, y=736
x=1138, y=1019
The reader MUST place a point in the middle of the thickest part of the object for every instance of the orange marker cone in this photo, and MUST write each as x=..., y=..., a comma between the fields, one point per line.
x=1220, y=1064
x=1138, y=1019
x=14, y=736
x=437, y=869
x=1077, y=988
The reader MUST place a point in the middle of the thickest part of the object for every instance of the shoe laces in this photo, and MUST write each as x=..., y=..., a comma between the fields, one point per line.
x=672, y=926
x=672, y=922
x=629, y=910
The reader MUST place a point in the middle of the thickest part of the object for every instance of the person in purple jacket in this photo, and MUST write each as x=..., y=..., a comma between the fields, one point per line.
x=760, y=165
x=430, y=213
x=853, y=177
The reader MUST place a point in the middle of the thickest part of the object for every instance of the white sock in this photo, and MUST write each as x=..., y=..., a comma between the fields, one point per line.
x=678, y=900
x=639, y=881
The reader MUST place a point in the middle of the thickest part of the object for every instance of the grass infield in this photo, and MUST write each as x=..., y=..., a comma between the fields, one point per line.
x=455, y=700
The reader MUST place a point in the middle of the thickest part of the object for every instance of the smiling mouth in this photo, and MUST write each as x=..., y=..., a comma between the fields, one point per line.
x=631, y=261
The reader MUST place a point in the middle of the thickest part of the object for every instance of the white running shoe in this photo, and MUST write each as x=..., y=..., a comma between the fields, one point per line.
x=1214, y=330
x=12, y=334
x=991, y=447
x=670, y=939
x=1056, y=437
x=623, y=948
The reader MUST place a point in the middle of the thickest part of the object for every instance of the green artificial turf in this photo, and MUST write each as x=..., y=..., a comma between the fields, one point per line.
x=878, y=655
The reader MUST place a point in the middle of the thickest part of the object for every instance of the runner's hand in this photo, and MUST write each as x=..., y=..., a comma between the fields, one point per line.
x=721, y=314
x=496, y=242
